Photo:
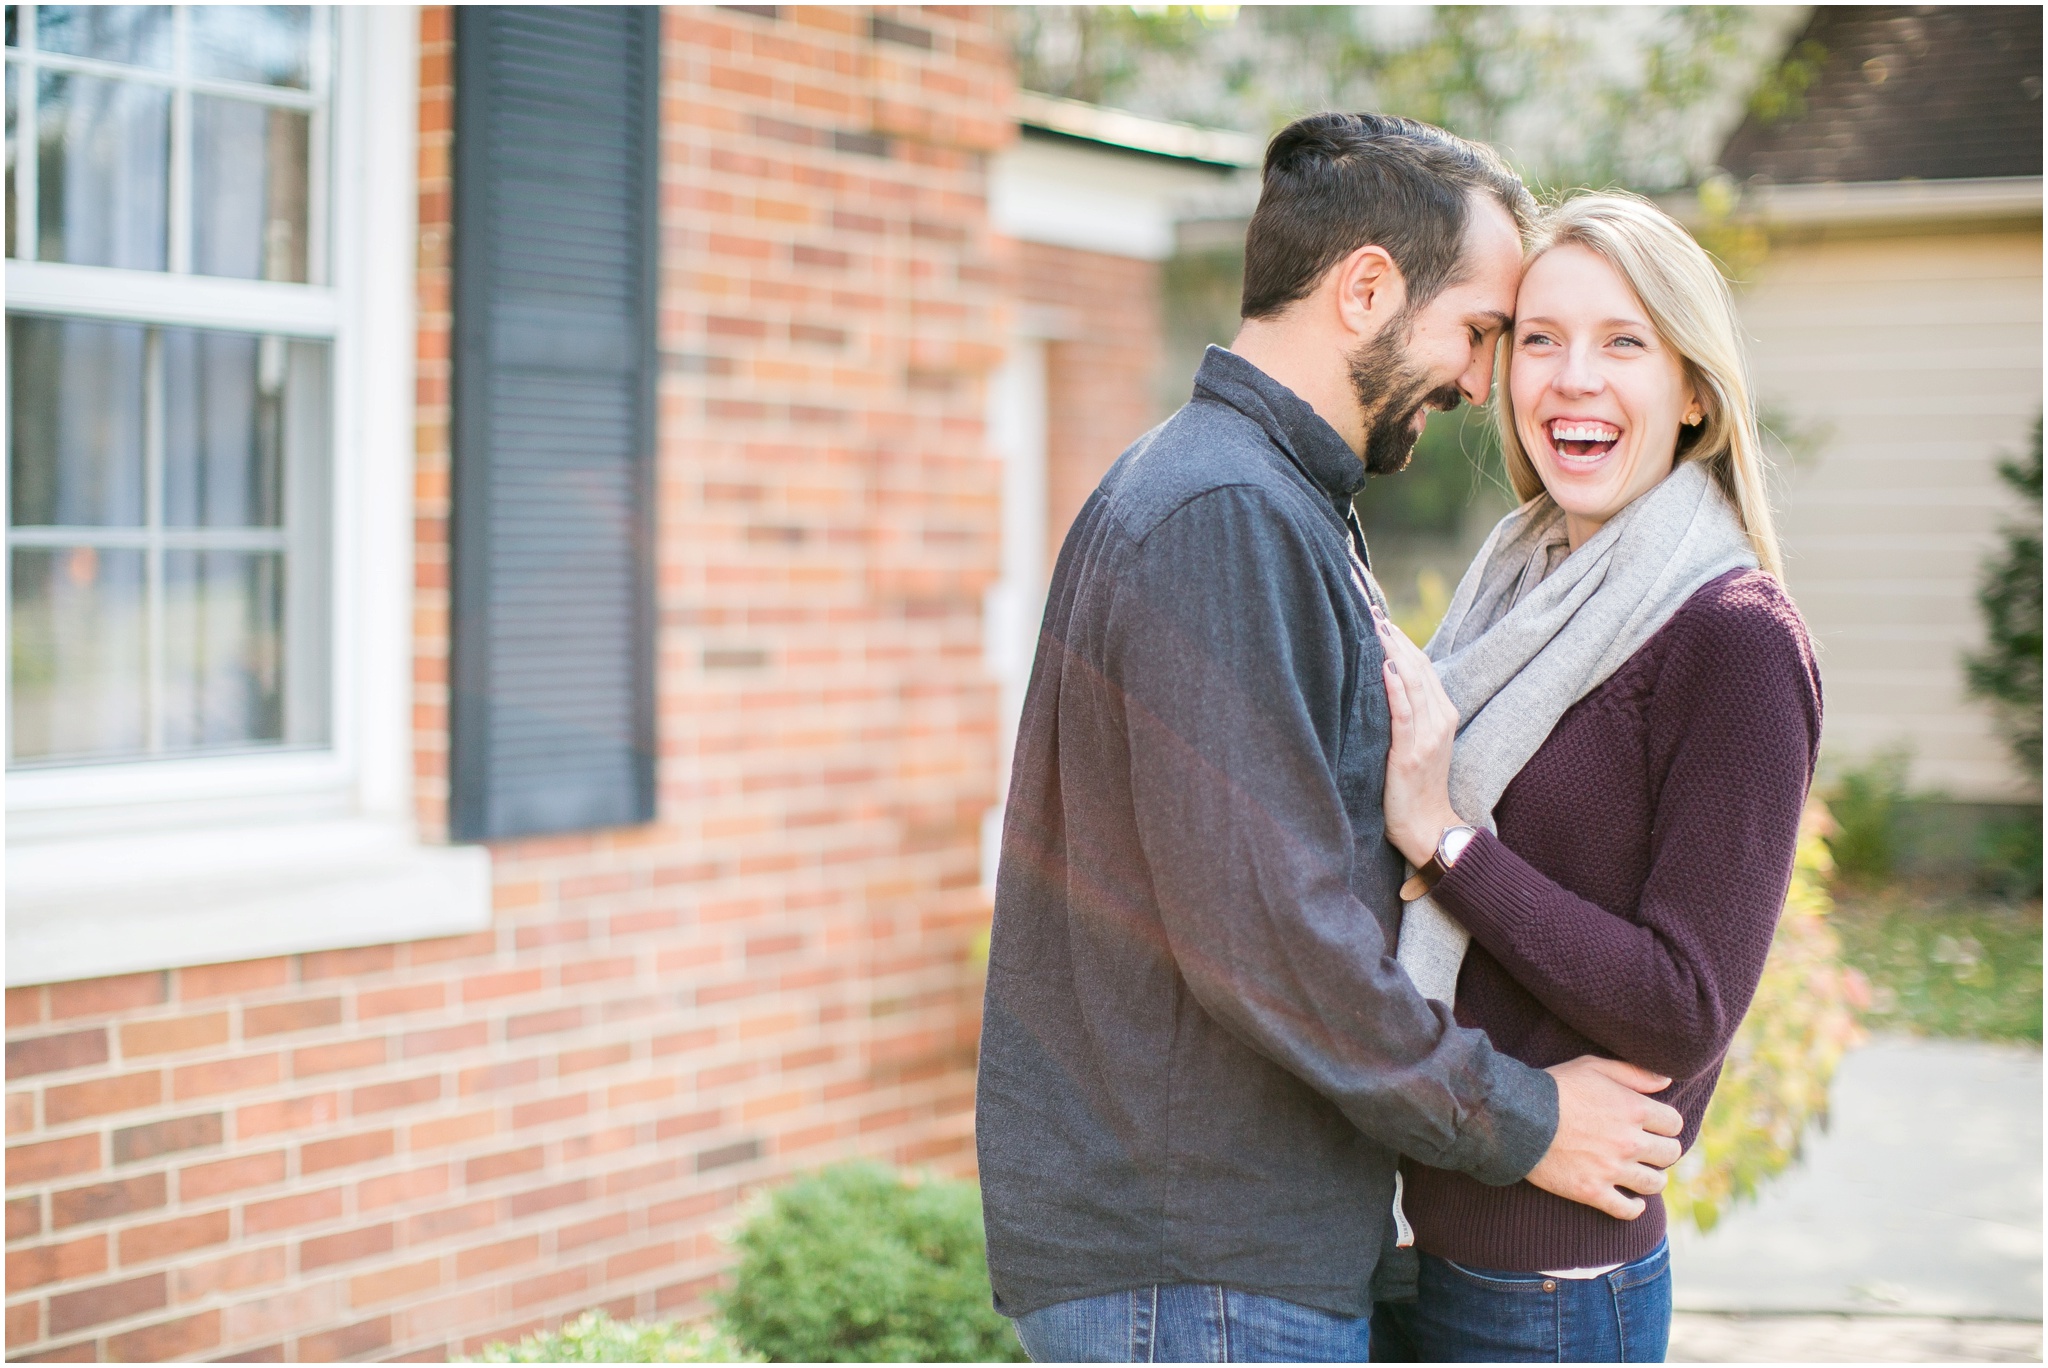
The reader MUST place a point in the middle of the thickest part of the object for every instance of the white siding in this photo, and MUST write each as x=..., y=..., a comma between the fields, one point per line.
x=1916, y=361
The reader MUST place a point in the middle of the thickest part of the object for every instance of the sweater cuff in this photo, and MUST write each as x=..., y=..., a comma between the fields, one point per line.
x=1514, y=1132
x=1489, y=889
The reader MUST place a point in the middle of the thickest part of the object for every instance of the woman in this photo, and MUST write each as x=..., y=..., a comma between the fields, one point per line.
x=1614, y=823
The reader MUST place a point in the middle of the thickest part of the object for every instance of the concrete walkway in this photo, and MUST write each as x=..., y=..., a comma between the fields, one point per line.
x=1913, y=1224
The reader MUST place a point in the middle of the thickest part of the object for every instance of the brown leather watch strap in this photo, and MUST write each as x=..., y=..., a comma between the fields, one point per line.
x=1434, y=868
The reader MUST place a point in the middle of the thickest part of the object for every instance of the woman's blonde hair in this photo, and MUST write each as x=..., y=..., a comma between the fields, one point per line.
x=1691, y=308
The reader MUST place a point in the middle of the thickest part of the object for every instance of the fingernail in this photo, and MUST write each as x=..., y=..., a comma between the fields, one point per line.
x=1392, y=668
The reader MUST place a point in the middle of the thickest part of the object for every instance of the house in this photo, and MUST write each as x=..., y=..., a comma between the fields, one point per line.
x=1893, y=295
x=501, y=724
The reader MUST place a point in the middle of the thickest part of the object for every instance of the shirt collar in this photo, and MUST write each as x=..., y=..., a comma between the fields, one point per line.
x=1298, y=430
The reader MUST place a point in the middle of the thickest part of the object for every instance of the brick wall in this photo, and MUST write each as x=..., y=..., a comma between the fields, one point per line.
x=1100, y=380
x=405, y=1150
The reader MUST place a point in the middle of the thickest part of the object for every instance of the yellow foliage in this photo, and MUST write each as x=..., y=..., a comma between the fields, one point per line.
x=1774, y=1084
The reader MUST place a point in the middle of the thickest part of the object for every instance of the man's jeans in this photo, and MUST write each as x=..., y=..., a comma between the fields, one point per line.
x=1471, y=1315
x=1191, y=1323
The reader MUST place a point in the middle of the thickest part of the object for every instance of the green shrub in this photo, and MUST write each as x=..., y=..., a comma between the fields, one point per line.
x=1774, y=1084
x=1866, y=805
x=2009, y=856
x=594, y=1337
x=855, y=1265
x=2007, y=672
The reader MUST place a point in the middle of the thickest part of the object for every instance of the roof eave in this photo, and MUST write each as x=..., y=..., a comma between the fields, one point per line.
x=1868, y=203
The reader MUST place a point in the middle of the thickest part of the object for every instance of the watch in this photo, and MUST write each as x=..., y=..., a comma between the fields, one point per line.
x=1449, y=847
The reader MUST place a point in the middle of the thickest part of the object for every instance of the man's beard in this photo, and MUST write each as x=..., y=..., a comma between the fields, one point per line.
x=1390, y=389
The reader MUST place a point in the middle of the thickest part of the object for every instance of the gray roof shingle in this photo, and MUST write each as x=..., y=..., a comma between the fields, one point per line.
x=1927, y=92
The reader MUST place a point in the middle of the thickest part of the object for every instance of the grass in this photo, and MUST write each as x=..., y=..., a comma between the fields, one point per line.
x=1944, y=964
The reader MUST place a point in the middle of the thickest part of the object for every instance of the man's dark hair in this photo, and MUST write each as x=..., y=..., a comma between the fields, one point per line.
x=1338, y=182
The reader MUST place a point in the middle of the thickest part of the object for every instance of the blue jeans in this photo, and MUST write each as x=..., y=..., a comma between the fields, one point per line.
x=1475, y=1315
x=1191, y=1323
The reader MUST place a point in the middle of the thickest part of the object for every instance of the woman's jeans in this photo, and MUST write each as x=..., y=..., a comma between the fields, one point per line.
x=1475, y=1315
x=1191, y=1323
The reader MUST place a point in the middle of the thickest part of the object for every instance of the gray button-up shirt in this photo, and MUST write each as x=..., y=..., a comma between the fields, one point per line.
x=1199, y=1059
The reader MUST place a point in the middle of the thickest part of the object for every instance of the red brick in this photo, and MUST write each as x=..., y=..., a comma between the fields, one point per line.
x=279, y=1017
x=48, y=1054
x=388, y=1284
x=21, y=1112
x=548, y=1287
x=104, y=1201
x=104, y=996
x=637, y=1261
x=85, y=1351
x=282, y=1213
x=166, y=1340
x=599, y=1057
x=110, y=1301
x=446, y=948
x=442, y=1040
x=231, y=1273
x=411, y=997
x=232, y=980
x=24, y=1217
x=101, y=1097
x=135, y=1143
x=296, y=1113
x=52, y=1159
x=25, y=1325
x=435, y=1225
x=488, y=1167
x=385, y=1096
x=346, y=1246
x=169, y=1034
x=489, y=1258
x=597, y=970
x=24, y=1008
x=547, y=1198
x=349, y=1342
x=491, y=1077
x=543, y=1023
x=320, y=1155
x=201, y=1181
x=450, y=1130
x=73, y=1259
x=591, y=1232
x=347, y=1054
x=322, y=964
x=550, y=1109
x=484, y=987
x=388, y=1188
x=219, y=1076
x=142, y=1243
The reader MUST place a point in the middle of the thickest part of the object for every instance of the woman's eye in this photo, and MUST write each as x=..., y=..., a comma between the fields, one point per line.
x=1627, y=341
x=1535, y=339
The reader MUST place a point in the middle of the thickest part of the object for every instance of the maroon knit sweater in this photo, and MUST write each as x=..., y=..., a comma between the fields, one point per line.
x=1627, y=904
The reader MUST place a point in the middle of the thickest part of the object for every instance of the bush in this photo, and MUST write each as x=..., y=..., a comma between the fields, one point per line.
x=855, y=1265
x=1774, y=1084
x=2007, y=672
x=594, y=1337
x=1865, y=806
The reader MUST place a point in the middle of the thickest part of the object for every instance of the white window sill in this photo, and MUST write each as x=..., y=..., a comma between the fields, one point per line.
x=114, y=905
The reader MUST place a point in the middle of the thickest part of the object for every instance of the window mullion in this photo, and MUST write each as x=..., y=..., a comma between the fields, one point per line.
x=153, y=439
x=319, y=152
x=27, y=141
x=180, y=207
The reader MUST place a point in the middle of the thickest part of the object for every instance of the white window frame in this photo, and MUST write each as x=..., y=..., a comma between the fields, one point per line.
x=120, y=866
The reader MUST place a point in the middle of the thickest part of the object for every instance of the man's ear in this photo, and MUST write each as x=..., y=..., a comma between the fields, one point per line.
x=1370, y=291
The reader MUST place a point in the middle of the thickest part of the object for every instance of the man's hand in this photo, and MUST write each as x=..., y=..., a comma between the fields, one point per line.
x=1609, y=1136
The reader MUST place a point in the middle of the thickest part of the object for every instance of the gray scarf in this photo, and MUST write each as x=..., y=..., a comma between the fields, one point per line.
x=1533, y=630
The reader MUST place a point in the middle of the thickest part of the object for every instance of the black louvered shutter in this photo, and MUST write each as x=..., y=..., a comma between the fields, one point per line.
x=555, y=170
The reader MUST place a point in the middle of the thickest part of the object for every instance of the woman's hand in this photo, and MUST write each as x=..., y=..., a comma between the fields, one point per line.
x=1418, y=789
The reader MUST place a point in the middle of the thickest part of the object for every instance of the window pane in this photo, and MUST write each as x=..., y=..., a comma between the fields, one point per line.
x=223, y=649
x=75, y=415
x=77, y=653
x=248, y=190
x=224, y=397
x=269, y=44
x=104, y=149
x=137, y=34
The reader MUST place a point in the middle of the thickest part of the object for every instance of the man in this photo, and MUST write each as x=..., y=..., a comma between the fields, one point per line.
x=1199, y=1059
